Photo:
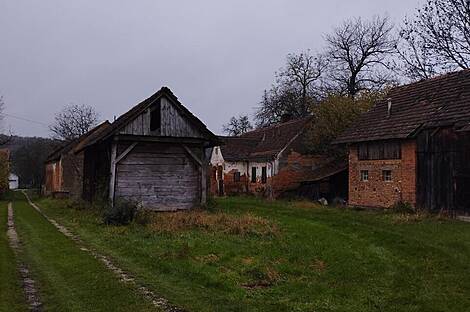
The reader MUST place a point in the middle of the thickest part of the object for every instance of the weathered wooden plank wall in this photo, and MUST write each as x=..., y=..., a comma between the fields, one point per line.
x=443, y=177
x=173, y=123
x=160, y=176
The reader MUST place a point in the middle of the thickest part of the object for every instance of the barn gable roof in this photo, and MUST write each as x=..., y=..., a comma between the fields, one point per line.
x=441, y=100
x=264, y=143
x=75, y=145
x=127, y=117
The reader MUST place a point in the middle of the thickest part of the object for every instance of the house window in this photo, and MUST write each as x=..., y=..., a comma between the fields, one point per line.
x=264, y=174
x=387, y=175
x=220, y=173
x=379, y=150
x=253, y=174
x=236, y=176
x=155, y=117
x=364, y=175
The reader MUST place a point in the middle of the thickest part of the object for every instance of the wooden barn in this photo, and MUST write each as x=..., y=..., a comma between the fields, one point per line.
x=414, y=146
x=154, y=155
x=64, y=166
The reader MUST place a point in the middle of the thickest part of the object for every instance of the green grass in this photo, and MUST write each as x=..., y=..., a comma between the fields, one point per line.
x=323, y=259
x=11, y=293
x=69, y=279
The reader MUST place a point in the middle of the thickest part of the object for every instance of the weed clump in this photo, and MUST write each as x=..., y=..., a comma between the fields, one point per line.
x=403, y=207
x=122, y=213
x=243, y=225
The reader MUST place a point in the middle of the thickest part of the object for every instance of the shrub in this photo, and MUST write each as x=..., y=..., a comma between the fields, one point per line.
x=122, y=213
x=143, y=217
x=77, y=204
x=4, y=171
x=403, y=207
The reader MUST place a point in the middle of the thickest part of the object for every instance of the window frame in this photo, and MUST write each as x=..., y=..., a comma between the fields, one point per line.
x=253, y=174
x=236, y=176
x=385, y=176
x=264, y=174
x=364, y=175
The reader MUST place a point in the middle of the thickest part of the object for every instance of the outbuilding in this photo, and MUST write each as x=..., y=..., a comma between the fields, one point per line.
x=414, y=147
x=13, y=181
x=64, y=167
x=153, y=155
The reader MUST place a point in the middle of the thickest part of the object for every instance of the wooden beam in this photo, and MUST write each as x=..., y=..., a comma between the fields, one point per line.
x=114, y=161
x=126, y=151
x=203, y=179
x=144, y=138
x=190, y=152
x=202, y=166
x=112, y=179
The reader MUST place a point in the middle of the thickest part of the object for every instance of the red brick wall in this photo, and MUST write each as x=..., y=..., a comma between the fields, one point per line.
x=376, y=192
x=53, y=177
x=232, y=187
x=294, y=169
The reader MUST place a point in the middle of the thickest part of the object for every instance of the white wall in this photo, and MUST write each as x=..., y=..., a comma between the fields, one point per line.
x=13, y=181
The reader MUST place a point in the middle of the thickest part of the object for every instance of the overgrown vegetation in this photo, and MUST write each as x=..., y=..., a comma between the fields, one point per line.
x=4, y=172
x=212, y=222
x=321, y=259
x=331, y=117
x=403, y=207
x=122, y=213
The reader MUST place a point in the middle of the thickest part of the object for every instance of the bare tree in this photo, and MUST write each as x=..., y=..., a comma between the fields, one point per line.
x=359, y=53
x=297, y=86
x=238, y=126
x=437, y=39
x=4, y=139
x=73, y=121
x=2, y=108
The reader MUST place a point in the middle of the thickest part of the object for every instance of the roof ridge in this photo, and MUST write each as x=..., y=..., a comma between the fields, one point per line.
x=432, y=79
x=277, y=125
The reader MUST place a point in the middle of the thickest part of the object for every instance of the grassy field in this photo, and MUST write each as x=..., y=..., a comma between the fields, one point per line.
x=248, y=254
x=69, y=279
x=11, y=293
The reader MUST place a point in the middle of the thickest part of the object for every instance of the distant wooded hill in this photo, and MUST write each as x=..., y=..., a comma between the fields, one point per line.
x=27, y=157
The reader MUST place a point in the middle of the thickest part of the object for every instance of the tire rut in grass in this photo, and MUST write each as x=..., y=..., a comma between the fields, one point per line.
x=29, y=285
x=123, y=276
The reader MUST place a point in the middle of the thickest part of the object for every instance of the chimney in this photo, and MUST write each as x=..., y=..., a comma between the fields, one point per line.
x=389, y=107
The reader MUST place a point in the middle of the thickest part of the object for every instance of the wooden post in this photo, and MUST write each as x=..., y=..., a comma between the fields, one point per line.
x=203, y=178
x=202, y=164
x=115, y=159
x=112, y=178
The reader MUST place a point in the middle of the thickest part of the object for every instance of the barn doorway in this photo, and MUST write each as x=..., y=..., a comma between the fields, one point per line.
x=443, y=179
x=220, y=181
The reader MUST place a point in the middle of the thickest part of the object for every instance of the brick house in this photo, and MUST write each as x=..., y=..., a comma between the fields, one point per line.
x=414, y=146
x=273, y=161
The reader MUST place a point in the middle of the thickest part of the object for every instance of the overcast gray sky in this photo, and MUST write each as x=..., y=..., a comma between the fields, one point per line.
x=217, y=56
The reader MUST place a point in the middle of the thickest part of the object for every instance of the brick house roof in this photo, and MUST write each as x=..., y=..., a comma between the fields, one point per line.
x=264, y=143
x=441, y=100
